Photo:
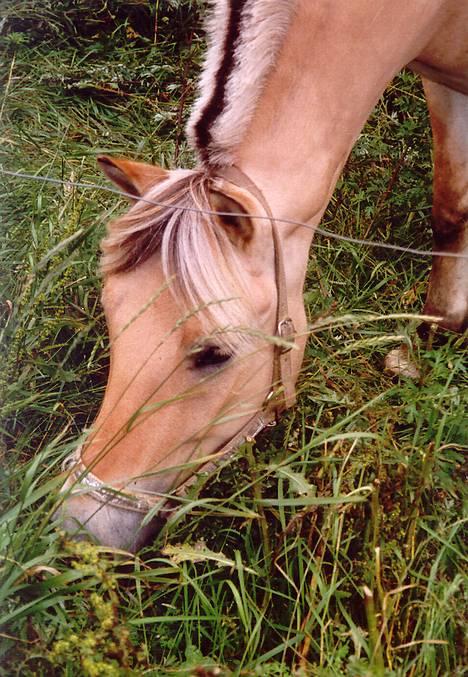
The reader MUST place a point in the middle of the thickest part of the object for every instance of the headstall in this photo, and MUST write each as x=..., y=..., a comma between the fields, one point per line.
x=282, y=394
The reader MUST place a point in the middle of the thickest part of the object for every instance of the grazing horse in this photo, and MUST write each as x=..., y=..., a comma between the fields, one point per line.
x=203, y=300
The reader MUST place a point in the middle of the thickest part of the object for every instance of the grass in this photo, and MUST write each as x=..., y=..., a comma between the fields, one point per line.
x=332, y=547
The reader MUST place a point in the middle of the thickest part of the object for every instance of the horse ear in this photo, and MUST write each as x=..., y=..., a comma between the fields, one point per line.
x=234, y=219
x=135, y=178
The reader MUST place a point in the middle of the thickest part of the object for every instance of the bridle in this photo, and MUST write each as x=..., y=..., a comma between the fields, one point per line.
x=282, y=394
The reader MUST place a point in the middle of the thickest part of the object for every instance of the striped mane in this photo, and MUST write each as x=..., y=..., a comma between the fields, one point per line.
x=244, y=39
x=196, y=254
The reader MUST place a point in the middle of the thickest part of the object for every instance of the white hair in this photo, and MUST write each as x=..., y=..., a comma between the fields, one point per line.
x=196, y=254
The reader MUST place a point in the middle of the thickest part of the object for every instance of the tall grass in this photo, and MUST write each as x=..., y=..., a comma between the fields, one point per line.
x=335, y=544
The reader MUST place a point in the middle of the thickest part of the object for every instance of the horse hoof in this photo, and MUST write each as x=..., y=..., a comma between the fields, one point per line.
x=399, y=363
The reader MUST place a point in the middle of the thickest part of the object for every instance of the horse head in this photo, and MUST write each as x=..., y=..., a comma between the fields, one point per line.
x=191, y=297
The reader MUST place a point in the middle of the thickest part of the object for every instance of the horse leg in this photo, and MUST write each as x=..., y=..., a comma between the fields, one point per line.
x=447, y=295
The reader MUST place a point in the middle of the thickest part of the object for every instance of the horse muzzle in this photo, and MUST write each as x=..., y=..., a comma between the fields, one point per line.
x=105, y=519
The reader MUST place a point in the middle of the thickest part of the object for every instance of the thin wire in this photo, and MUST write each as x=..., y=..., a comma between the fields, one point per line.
x=208, y=212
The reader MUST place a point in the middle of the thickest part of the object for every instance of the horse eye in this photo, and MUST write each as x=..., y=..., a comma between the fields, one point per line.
x=209, y=356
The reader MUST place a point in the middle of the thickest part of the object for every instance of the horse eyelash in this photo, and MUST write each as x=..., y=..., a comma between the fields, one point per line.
x=208, y=355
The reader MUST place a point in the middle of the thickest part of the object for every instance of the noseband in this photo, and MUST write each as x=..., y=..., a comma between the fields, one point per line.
x=282, y=394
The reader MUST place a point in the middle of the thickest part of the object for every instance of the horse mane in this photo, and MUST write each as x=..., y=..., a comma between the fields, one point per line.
x=244, y=40
x=197, y=256
x=245, y=37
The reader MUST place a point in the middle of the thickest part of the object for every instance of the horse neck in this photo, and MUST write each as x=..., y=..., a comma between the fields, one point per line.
x=334, y=63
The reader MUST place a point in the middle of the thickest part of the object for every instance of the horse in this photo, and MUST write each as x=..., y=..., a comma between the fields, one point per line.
x=202, y=289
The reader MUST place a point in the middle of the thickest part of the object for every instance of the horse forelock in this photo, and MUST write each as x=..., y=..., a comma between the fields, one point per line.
x=244, y=40
x=199, y=261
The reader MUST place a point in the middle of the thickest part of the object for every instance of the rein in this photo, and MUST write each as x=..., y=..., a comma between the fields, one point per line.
x=282, y=394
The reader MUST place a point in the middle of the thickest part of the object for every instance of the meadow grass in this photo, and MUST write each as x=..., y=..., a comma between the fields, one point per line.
x=334, y=546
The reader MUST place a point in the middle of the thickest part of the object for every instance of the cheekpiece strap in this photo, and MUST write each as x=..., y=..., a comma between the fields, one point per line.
x=283, y=393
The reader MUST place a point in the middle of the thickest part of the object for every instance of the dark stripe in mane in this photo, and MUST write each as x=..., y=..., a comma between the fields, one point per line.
x=216, y=104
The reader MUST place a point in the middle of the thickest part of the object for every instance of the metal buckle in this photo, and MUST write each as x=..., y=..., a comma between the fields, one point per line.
x=286, y=331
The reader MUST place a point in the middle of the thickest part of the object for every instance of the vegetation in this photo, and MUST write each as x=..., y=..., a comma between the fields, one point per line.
x=277, y=575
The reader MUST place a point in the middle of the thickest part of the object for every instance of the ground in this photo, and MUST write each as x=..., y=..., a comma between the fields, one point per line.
x=332, y=547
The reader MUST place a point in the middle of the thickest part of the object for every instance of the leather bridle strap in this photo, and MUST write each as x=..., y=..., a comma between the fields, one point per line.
x=282, y=394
